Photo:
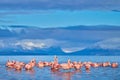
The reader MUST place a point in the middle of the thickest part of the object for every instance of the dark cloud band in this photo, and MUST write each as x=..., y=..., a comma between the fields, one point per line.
x=61, y=4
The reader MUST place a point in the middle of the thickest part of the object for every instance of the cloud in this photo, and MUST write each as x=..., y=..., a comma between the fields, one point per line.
x=29, y=44
x=72, y=49
x=30, y=38
x=61, y=4
x=36, y=43
x=66, y=46
x=113, y=43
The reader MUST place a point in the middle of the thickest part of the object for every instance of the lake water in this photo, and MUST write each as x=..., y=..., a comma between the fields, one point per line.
x=101, y=73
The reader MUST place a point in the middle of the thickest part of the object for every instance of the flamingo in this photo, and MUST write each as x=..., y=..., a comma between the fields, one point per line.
x=87, y=66
x=95, y=65
x=32, y=62
x=106, y=64
x=114, y=65
x=17, y=67
x=40, y=64
x=67, y=65
x=10, y=64
x=77, y=66
x=28, y=66
x=55, y=65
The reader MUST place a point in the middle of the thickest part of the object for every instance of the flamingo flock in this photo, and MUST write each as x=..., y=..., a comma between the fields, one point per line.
x=55, y=65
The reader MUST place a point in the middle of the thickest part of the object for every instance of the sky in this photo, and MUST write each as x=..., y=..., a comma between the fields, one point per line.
x=96, y=21
x=59, y=13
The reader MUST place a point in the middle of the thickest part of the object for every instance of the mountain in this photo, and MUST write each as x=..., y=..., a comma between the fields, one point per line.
x=86, y=40
x=35, y=51
x=107, y=47
x=58, y=51
x=92, y=27
x=97, y=52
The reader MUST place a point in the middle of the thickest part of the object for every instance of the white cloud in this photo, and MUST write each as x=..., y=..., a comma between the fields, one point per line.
x=113, y=43
x=29, y=45
x=67, y=47
x=35, y=43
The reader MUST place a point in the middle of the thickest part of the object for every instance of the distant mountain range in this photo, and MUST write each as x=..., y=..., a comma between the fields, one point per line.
x=89, y=40
x=35, y=51
x=98, y=52
x=58, y=51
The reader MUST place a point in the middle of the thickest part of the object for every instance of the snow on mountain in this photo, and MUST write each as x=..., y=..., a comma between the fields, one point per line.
x=72, y=49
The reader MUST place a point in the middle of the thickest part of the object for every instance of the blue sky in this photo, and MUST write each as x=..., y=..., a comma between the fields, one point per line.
x=100, y=19
x=61, y=13
x=59, y=18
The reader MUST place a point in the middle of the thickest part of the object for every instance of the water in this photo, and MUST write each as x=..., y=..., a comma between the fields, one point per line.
x=100, y=73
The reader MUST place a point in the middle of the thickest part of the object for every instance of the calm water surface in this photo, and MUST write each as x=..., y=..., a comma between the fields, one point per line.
x=100, y=73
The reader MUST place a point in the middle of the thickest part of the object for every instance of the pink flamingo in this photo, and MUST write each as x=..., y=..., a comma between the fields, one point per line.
x=95, y=65
x=33, y=62
x=77, y=66
x=106, y=64
x=87, y=66
x=67, y=65
x=40, y=64
x=28, y=66
x=10, y=64
x=18, y=67
x=114, y=65
x=55, y=65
